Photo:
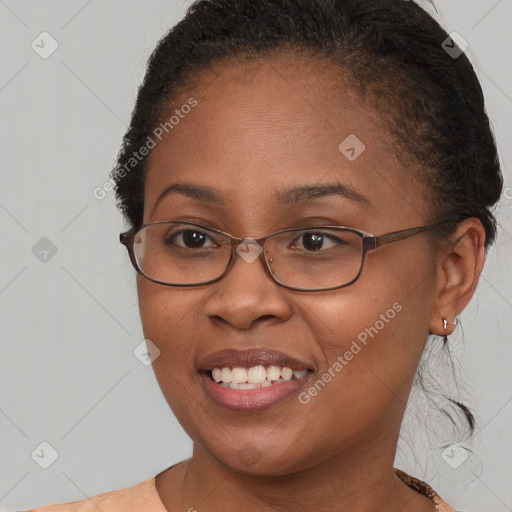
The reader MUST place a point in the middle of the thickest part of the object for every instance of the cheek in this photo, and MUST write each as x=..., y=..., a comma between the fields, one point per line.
x=361, y=344
x=169, y=319
x=371, y=337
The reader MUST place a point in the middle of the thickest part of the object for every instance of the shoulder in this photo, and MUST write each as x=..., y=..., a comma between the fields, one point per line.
x=140, y=495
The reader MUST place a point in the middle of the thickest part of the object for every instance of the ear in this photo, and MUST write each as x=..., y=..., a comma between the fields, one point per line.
x=458, y=270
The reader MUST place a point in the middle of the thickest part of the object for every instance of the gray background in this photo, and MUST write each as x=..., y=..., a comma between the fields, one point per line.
x=70, y=324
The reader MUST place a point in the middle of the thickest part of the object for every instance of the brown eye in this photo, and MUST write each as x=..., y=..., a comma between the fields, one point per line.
x=315, y=241
x=191, y=239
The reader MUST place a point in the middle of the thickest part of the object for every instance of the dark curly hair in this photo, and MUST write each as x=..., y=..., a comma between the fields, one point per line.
x=392, y=53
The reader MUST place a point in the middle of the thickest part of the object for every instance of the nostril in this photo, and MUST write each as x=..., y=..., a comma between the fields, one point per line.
x=264, y=318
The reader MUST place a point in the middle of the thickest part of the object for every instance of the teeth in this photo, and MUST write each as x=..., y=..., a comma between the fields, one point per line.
x=225, y=375
x=299, y=373
x=255, y=376
x=273, y=373
x=238, y=375
x=286, y=373
x=243, y=386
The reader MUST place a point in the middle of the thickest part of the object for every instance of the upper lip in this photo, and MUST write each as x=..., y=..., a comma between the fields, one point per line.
x=251, y=357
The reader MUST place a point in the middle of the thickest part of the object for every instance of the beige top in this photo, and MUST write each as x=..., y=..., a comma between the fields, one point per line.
x=144, y=497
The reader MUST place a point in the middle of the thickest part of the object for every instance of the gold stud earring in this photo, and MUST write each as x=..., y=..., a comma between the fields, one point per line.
x=445, y=327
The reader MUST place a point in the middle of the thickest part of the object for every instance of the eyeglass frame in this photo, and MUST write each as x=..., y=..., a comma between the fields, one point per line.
x=369, y=243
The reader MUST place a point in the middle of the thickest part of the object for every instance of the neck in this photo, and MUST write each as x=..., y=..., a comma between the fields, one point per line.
x=357, y=480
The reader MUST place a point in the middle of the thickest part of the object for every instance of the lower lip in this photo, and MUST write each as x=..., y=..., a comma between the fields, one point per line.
x=250, y=400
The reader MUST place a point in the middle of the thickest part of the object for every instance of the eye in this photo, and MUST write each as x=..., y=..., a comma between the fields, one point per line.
x=189, y=239
x=315, y=241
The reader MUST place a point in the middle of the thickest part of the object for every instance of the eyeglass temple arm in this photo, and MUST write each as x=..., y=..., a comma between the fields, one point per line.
x=395, y=236
x=127, y=237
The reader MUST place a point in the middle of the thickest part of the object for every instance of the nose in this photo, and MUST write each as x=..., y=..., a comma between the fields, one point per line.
x=248, y=295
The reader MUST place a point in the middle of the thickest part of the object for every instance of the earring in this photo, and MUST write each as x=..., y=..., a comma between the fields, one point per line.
x=445, y=327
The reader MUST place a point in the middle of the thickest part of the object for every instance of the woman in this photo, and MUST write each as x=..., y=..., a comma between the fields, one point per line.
x=309, y=185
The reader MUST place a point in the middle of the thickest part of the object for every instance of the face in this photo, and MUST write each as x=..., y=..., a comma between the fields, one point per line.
x=260, y=128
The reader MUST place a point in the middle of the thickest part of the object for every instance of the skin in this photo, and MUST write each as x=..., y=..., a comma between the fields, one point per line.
x=259, y=127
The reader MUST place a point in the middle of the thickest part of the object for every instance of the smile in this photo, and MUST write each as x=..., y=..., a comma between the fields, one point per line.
x=255, y=376
x=252, y=380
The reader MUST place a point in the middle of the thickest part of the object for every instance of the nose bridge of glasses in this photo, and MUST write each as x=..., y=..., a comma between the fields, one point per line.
x=249, y=249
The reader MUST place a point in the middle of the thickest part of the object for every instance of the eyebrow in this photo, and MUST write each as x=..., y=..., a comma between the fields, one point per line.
x=311, y=192
x=292, y=195
x=198, y=192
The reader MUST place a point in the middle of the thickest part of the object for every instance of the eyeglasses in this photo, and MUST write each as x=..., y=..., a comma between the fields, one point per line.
x=314, y=258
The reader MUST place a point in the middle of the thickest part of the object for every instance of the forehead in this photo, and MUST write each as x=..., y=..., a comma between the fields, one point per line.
x=263, y=125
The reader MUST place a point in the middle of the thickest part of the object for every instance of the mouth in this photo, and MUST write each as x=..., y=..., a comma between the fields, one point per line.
x=252, y=380
x=254, y=377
